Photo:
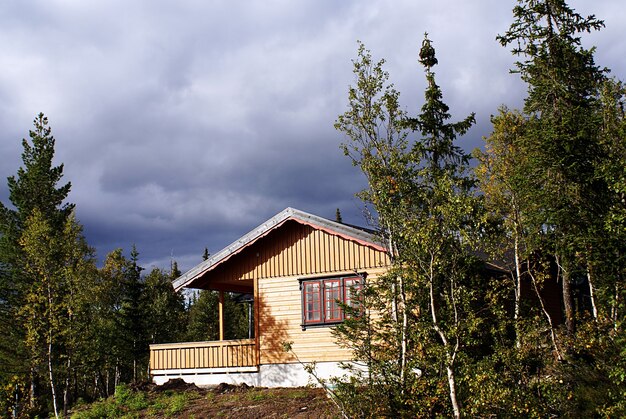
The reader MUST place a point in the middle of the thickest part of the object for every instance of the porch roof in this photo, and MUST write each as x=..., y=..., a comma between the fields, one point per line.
x=360, y=235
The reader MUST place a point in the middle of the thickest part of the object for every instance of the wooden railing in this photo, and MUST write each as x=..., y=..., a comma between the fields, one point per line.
x=216, y=354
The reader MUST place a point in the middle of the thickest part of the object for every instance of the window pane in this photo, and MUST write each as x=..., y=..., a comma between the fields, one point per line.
x=312, y=303
x=332, y=293
x=352, y=288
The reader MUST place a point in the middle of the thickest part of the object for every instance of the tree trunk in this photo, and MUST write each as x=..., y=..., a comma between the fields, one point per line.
x=518, y=292
x=66, y=391
x=567, y=298
x=616, y=303
x=446, y=344
x=545, y=312
x=453, y=399
x=32, y=392
x=51, y=375
x=405, y=326
x=594, y=308
x=108, y=381
x=135, y=361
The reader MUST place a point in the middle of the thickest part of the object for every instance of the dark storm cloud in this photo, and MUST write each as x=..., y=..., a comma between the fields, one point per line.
x=185, y=124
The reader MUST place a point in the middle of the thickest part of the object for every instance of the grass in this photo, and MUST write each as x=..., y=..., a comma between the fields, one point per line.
x=129, y=404
x=257, y=396
x=297, y=394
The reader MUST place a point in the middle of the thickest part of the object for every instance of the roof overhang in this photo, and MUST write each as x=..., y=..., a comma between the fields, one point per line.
x=361, y=236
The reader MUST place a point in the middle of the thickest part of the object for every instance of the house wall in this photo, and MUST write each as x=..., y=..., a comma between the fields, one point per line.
x=280, y=320
x=277, y=262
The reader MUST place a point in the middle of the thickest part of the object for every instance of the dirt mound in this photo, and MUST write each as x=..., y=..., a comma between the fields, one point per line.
x=177, y=384
x=142, y=386
x=231, y=388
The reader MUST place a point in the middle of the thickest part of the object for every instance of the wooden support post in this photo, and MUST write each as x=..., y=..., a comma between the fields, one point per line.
x=257, y=321
x=221, y=314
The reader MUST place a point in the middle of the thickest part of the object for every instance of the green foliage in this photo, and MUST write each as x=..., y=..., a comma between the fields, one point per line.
x=177, y=403
x=69, y=330
x=33, y=189
x=429, y=217
x=56, y=263
x=129, y=403
x=36, y=183
x=126, y=403
x=561, y=142
x=164, y=308
x=203, y=322
x=235, y=318
x=551, y=181
x=550, y=174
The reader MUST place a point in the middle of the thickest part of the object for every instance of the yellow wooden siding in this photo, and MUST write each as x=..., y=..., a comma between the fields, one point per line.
x=280, y=320
x=297, y=249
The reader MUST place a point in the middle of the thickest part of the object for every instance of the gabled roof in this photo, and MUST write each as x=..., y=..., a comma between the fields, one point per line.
x=359, y=235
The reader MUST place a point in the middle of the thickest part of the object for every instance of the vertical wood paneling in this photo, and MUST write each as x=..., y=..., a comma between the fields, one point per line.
x=296, y=249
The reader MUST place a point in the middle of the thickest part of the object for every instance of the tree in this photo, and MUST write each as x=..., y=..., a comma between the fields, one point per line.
x=562, y=138
x=61, y=266
x=508, y=190
x=132, y=318
x=612, y=170
x=429, y=217
x=35, y=188
x=445, y=225
x=163, y=306
x=203, y=322
x=109, y=340
x=36, y=184
x=338, y=217
x=45, y=306
x=377, y=144
x=545, y=173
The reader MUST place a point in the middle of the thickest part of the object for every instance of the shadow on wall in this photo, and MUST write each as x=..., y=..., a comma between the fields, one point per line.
x=273, y=334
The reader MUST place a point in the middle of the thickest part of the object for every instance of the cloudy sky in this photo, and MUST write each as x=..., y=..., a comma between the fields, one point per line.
x=184, y=124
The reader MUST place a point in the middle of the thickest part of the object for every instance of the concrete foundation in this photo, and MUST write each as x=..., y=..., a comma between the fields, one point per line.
x=275, y=375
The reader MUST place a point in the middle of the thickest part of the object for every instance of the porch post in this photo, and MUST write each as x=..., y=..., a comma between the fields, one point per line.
x=221, y=314
x=250, y=320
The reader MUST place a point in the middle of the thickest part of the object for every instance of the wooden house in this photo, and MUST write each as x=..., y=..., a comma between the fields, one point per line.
x=297, y=266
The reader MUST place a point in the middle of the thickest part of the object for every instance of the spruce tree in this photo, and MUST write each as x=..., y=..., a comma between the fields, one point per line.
x=34, y=188
x=562, y=137
x=164, y=307
x=132, y=316
x=203, y=322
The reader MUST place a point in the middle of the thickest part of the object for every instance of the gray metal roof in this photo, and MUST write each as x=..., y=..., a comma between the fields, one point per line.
x=363, y=236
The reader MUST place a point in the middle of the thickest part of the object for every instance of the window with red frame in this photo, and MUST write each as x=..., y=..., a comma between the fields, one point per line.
x=322, y=299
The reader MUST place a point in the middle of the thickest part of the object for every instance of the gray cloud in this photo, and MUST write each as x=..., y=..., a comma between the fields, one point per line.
x=185, y=124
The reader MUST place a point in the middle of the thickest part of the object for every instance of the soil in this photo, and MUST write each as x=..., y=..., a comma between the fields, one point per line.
x=243, y=401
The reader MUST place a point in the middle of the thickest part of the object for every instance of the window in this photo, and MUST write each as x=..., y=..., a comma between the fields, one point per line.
x=322, y=299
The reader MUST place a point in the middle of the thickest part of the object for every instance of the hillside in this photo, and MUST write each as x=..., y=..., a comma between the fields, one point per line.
x=180, y=400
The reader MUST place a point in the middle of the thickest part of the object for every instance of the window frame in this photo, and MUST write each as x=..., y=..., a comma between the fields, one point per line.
x=327, y=307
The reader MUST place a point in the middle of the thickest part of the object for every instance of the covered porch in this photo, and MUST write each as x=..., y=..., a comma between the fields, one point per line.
x=212, y=359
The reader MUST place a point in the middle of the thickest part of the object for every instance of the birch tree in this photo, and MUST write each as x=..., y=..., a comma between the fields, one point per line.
x=422, y=194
